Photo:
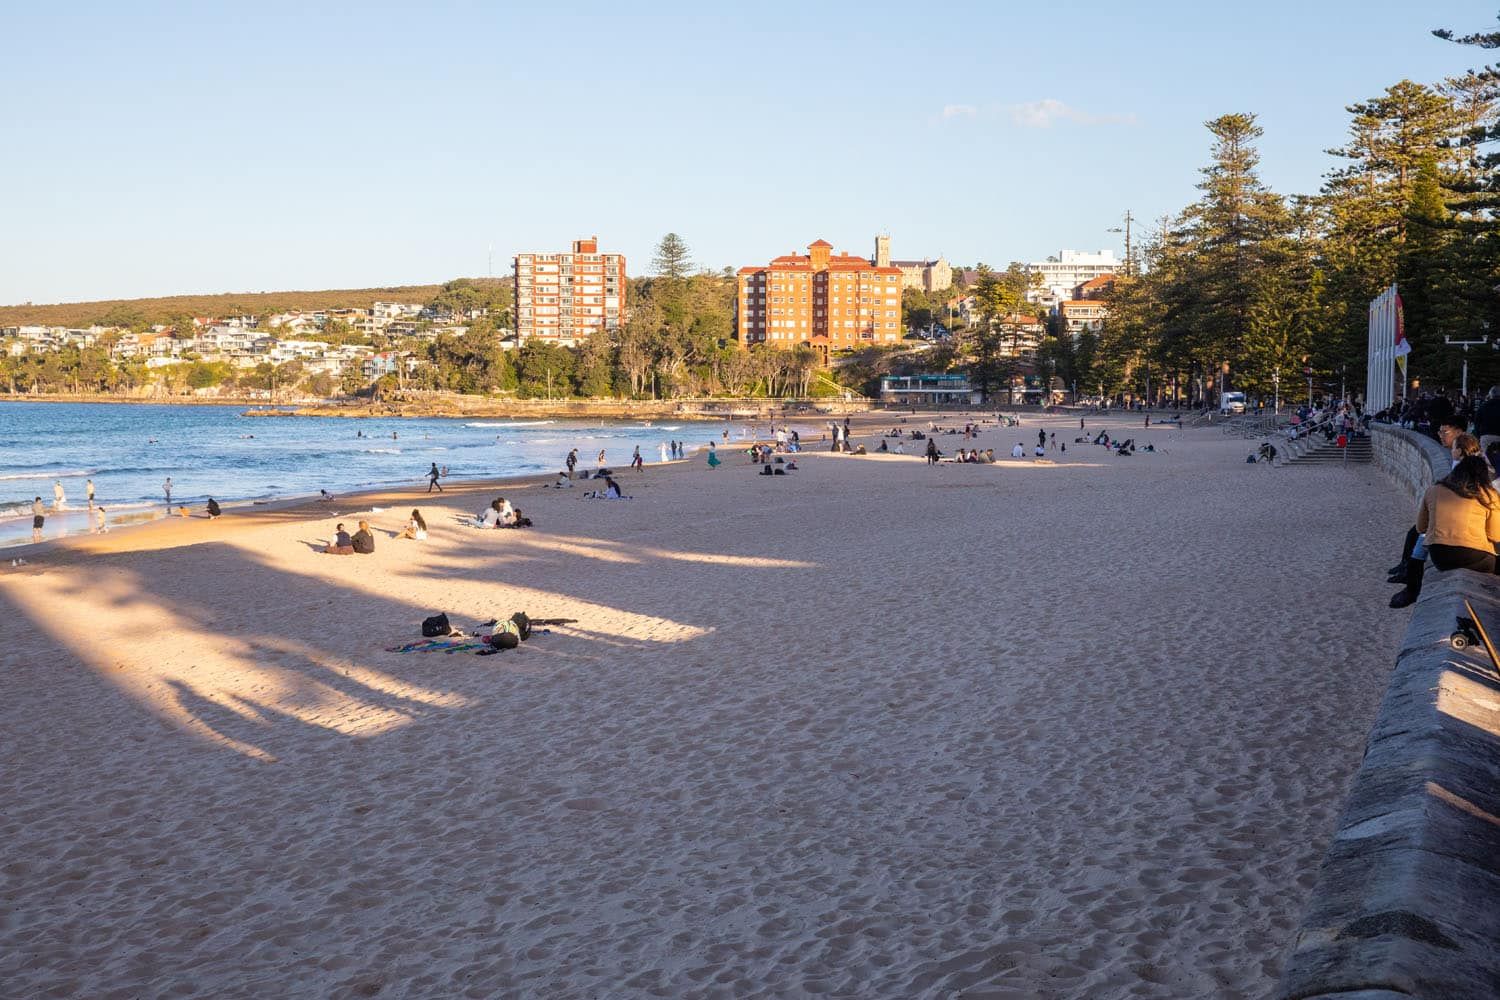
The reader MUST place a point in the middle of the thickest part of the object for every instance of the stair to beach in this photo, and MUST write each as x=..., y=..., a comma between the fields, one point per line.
x=1331, y=454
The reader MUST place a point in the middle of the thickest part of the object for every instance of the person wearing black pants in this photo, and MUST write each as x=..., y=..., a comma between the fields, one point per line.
x=432, y=479
x=1448, y=434
x=1461, y=517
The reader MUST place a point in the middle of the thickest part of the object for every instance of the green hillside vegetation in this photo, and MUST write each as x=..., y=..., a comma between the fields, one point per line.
x=142, y=313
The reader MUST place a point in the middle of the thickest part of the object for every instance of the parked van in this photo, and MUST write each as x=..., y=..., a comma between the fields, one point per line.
x=1232, y=402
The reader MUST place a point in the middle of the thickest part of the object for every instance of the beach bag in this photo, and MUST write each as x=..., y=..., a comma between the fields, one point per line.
x=436, y=625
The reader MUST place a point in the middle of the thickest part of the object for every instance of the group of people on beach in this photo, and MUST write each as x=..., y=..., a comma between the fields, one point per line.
x=97, y=517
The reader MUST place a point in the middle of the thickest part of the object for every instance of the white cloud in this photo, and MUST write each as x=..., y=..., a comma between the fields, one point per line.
x=959, y=111
x=1043, y=113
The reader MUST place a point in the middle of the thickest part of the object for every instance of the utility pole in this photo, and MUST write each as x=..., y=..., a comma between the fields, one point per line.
x=1126, y=230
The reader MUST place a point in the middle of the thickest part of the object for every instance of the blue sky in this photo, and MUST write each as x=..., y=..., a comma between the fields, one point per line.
x=148, y=149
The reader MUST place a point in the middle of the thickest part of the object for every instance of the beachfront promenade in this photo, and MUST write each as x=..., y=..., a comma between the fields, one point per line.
x=873, y=729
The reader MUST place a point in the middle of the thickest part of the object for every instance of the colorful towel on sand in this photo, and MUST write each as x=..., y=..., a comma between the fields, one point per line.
x=442, y=645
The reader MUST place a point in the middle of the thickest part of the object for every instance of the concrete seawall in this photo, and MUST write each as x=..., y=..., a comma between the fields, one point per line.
x=1407, y=902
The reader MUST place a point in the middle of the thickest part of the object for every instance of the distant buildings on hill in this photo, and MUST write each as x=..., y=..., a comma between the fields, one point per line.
x=1061, y=274
x=565, y=298
x=928, y=275
x=831, y=301
x=245, y=342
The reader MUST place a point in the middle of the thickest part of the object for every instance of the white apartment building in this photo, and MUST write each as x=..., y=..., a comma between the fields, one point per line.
x=1066, y=271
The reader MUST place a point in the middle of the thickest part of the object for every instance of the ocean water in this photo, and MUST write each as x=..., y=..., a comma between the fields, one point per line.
x=130, y=449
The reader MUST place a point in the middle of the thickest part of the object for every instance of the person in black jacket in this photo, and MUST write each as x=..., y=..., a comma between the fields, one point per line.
x=363, y=541
x=1487, y=419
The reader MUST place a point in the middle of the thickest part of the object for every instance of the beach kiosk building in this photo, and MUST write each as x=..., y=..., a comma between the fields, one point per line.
x=928, y=390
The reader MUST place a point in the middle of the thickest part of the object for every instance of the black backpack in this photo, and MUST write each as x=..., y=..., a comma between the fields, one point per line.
x=436, y=625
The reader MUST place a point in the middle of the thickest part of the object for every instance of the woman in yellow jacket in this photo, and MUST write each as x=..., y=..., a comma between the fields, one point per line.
x=1460, y=516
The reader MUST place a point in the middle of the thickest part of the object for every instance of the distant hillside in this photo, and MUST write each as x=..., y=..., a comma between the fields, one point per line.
x=124, y=312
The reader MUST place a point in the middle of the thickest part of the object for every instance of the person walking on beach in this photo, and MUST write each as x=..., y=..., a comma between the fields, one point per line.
x=100, y=526
x=662, y=450
x=166, y=488
x=89, y=487
x=572, y=461
x=1041, y=438
x=432, y=479
x=932, y=452
x=57, y=495
x=636, y=462
x=38, y=518
x=601, y=458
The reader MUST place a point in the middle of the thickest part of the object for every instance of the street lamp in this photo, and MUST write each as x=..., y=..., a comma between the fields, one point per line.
x=1466, y=344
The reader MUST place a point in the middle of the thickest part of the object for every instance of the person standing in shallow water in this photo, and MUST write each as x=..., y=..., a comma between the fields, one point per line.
x=38, y=518
x=89, y=487
x=166, y=488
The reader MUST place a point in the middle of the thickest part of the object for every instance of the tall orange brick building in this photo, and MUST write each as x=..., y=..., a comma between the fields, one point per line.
x=829, y=300
x=567, y=297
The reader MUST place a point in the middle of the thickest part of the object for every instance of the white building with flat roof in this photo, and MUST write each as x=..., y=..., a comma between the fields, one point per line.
x=1066, y=271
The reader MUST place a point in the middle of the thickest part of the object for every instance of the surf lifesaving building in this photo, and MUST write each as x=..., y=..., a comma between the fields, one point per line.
x=831, y=301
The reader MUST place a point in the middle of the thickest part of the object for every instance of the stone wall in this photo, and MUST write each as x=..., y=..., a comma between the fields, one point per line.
x=1407, y=901
x=1413, y=460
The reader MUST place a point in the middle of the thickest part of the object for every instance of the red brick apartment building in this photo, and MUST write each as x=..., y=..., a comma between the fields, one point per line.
x=832, y=301
x=567, y=297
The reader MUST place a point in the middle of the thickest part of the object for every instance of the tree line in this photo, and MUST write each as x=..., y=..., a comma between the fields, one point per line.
x=1264, y=291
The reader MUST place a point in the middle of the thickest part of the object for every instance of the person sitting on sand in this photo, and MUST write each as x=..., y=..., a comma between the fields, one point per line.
x=563, y=482
x=342, y=545
x=713, y=457
x=213, y=508
x=1019, y=451
x=363, y=542
x=416, y=528
x=520, y=521
x=504, y=512
x=611, y=491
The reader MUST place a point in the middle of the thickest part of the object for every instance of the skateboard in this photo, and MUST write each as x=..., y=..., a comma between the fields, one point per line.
x=1470, y=632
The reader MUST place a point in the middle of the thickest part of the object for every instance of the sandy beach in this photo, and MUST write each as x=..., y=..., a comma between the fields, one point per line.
x=872, y=729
